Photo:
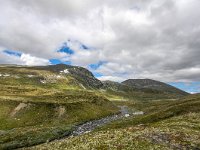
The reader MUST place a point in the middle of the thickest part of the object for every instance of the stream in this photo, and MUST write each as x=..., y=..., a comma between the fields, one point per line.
x=91, y=125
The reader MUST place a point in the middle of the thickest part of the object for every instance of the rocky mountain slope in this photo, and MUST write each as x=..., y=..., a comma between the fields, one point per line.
x=82, y=75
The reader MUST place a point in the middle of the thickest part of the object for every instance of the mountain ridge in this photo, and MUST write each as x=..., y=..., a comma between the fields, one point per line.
x=153, y=84
x=85, y=79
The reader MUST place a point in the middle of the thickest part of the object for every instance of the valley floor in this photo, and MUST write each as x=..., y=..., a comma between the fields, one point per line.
x=169, y=127
x=176, y=133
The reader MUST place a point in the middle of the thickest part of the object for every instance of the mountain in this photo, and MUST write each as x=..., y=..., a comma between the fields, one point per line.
x=138, y=89
x=64, y=77
x=42, y=103
x=154, y=85
x=82, y=75
x=116, y=86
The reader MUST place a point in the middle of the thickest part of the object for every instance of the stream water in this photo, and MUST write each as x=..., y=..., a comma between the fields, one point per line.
x=91, y=125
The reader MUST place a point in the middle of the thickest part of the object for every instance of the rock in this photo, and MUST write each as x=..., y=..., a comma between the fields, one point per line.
x=30, y=75
x=66, y=71
x=138, y=113
x=126, y=115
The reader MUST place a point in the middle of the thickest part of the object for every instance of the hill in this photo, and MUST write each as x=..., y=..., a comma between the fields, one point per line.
x=39, y=104
x=138, y=89
x=154, y=85
x=82, y=75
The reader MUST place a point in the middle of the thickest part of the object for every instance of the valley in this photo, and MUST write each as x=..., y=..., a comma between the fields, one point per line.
x=43, y=106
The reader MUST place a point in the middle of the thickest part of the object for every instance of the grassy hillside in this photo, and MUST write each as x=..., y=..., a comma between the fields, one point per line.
x=125, y=90
x=165, y=125
x=39, y=105
x=174, y=133
x=149, y=84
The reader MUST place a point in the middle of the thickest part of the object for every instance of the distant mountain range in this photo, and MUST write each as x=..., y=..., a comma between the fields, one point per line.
x=82, y=78
x=86, y=79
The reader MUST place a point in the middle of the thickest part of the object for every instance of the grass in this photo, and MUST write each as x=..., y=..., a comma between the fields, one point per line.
x=51, y=109
x=172, y=125
x=158, y=110
x=41, y=122
x=39, y=105
x=180, y=132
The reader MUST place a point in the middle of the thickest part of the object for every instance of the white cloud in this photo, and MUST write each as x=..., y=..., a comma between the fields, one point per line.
x=24, y=59
x=9, y=59
x=111, y=78
x=29, y=60
x=138, y=39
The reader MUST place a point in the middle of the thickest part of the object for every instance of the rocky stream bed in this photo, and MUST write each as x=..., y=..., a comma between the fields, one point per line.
x=91, y=125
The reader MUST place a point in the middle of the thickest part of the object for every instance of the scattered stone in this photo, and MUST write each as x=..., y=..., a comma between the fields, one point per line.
x=61, y=111
x=43, y=81
x=6, y=75
x=66, y=71
x=58, y=76
x=30, y=75
x=126, y=115
x=138, y=113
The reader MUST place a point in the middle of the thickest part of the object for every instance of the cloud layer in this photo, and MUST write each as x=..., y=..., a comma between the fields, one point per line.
x=136, y=39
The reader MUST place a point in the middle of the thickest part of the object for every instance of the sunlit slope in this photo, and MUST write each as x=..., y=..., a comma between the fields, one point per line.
x=38, y=104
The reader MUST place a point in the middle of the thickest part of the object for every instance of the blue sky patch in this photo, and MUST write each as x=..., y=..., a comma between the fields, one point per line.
x=97, y=74
x=12, y=52
x=97, y=65
x=191, y=87
x=57, y=61
x=66, y=49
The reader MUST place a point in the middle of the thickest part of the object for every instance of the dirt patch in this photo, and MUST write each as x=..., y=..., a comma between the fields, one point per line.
x=61, y=111
x=18, y=108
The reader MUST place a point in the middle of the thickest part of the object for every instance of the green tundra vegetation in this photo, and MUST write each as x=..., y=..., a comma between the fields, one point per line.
x=165, y=125
x=44, y=103
x=38, y=105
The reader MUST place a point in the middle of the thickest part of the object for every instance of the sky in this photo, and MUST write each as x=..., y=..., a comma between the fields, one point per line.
x=115, y=39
